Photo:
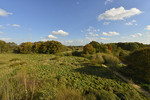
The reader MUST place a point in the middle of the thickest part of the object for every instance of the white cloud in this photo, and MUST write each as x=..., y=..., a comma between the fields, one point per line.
x=51, y=37
x=133, y=22
x=129, y=23
x=91, y=38
x=5, y=39
x=136, y=35
x=110, y=33
x=118, y=14
x=15, y=25
x=92, y=34
x=60, y=32
x=147, y=27
x=102, y=38
x=106, y=23
x=4, y=13
x=107, y=1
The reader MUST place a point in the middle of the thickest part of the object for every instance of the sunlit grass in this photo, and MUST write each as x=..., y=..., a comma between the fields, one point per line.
x=41, y=76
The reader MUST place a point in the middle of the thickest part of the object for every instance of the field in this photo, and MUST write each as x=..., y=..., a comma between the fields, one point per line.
x=56, y=77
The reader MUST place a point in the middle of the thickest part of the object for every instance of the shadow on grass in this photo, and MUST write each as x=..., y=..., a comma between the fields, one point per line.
x=98, y=71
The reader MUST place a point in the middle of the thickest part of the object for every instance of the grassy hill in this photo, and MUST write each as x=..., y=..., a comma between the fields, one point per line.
x=54, y=77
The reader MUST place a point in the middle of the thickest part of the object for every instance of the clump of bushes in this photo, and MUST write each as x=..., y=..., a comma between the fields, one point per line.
x=111, y=60
x=97, y=59
x=102, y=58
x=139, y=62
x=88, y=49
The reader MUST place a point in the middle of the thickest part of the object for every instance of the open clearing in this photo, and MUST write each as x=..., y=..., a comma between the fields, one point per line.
x=40, y=76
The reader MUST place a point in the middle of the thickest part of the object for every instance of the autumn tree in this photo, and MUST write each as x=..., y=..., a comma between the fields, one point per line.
x=36, y=47
x=26, y=48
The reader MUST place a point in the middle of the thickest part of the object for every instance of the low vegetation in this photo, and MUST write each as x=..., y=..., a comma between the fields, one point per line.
x=51, y=71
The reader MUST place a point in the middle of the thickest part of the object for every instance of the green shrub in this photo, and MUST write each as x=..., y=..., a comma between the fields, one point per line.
x=88, y=49
x=111, y=60
x=97, y=59
x=103, y=58
x=139, y=61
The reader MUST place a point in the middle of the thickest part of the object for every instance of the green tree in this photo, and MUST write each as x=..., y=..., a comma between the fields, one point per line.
x=12, y=47
x=51, y=47
x=3, y=46
x=88, y=49
x=96, y=45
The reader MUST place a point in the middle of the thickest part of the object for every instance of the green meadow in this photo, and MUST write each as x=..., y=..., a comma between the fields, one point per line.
x=57, y=77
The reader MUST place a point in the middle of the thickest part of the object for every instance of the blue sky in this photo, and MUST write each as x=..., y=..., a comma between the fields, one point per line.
x=75, y=22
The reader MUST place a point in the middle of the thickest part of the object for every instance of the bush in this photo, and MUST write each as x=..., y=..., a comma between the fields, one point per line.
x=111, y=60
x=139, y=61
x=97, y=59
x=88, y=49
x=103, y=58
x=54, y=47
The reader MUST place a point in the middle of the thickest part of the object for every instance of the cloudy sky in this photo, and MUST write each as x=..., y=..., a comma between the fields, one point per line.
x=75, y=22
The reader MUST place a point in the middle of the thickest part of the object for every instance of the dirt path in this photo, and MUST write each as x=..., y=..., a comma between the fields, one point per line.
x=147, y=94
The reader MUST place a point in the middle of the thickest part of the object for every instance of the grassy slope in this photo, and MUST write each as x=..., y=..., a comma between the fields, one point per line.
x=49, y=77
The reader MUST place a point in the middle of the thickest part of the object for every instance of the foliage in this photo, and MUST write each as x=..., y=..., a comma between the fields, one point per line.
x=139, y=61
x=36, y=47
x=103, y=58
x=26, y=48
x=111, y=60
x=3, y=46
x=43, y=80
x=97, y=59
x=88, y=49
x=131, y=46
x=52, y=47
x=99, y=47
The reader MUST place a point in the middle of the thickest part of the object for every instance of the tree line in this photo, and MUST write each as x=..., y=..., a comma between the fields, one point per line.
x=48, y=47
x=52, y=47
